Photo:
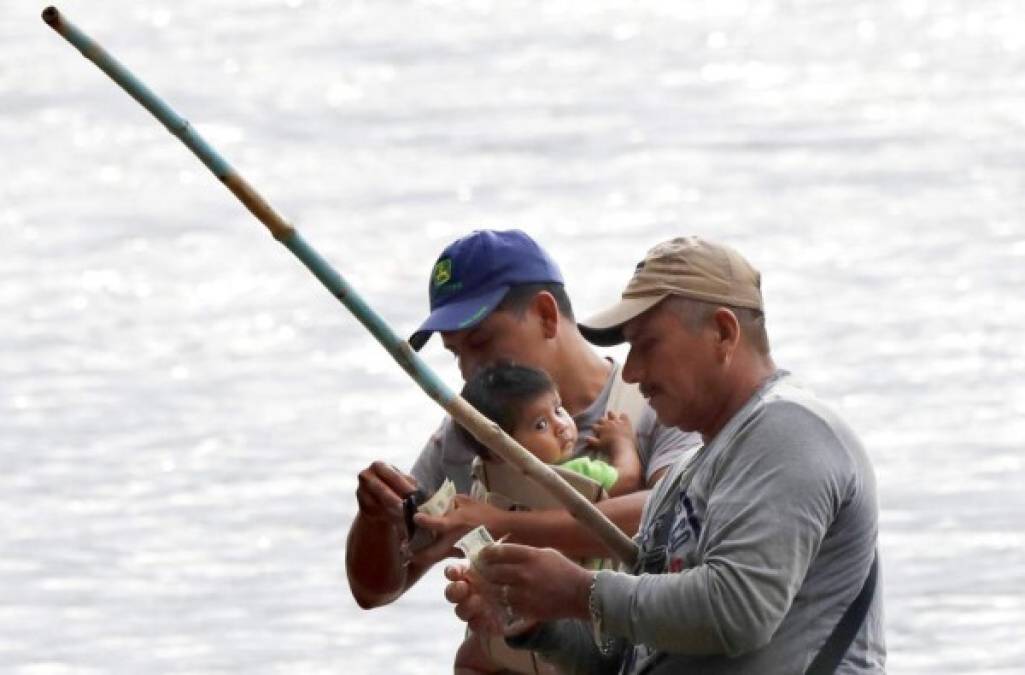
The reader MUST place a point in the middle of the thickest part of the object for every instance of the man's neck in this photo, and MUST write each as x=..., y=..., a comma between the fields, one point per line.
x=745, y=384
x=580, y=373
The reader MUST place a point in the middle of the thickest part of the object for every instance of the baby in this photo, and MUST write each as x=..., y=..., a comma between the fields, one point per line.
x=524, y=402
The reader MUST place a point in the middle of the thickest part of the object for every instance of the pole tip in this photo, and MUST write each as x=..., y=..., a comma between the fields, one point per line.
x=51, y=16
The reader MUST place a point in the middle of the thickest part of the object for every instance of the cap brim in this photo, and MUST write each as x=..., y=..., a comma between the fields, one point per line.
x=465, y=313
x=606, y=327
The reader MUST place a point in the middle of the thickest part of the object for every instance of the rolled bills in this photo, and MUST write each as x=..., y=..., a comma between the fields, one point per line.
x=441, y=501
x=473, y=542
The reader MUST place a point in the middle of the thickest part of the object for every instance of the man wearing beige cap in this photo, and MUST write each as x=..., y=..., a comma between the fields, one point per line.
x=757, y=555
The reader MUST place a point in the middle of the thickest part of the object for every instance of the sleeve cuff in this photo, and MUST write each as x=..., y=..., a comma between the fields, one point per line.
x=615, y=591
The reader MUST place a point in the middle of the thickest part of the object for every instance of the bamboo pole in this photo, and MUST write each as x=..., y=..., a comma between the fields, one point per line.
x=486, y=431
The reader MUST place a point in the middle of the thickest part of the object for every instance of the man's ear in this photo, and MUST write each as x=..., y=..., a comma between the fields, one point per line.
x=547, y=310
x=727, y=333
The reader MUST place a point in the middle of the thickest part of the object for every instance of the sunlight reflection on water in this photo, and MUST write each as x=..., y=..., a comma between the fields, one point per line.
x=185, y=411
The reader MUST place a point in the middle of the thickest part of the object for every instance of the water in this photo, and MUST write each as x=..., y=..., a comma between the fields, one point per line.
x=184, y=410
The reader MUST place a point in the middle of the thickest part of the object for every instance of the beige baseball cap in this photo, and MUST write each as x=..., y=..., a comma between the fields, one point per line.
x=690, y=267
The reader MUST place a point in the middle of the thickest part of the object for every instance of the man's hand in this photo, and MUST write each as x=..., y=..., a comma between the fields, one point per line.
x=539, y=584
x=475, y=600
x=466, y=514
x=373, y=557
x=380, y=491
x=527, y=583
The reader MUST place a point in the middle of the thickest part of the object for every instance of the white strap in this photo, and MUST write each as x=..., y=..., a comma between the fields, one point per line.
x=508, y=483
x=625, y=399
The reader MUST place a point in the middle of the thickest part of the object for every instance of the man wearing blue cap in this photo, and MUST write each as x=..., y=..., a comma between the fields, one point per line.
x=497, y=295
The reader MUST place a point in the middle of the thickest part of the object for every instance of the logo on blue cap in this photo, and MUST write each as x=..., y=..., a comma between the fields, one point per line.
x=442, y=272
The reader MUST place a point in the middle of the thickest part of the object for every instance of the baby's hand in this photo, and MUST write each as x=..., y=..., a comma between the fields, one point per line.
x=612, y=433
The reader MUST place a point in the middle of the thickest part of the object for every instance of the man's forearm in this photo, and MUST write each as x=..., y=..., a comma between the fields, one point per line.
x=560, y=530
x=373, y=563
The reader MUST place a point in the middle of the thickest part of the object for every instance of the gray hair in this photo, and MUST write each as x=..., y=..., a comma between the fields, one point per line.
x=694, y=314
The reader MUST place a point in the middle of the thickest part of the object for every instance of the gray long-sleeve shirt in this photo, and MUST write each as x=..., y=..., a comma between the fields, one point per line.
x=751, y=552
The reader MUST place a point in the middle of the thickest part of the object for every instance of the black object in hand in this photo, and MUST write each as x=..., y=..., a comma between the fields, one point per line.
x=409, y=505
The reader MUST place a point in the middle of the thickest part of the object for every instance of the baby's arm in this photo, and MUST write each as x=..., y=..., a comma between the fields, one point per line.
x=614, y=437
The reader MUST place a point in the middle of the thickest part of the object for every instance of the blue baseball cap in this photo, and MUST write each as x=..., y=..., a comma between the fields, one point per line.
x=474, y=273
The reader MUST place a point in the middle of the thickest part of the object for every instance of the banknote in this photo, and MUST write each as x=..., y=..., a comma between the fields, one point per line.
x=437, y=504
x=473, y=542
x=441, y=501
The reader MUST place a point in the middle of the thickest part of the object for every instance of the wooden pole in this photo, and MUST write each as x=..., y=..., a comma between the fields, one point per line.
x=486, y=431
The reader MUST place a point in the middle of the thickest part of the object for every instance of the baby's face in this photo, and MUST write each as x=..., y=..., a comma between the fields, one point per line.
x=546, y=429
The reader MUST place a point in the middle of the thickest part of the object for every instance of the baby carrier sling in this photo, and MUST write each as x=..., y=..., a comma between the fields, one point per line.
x=505, y=487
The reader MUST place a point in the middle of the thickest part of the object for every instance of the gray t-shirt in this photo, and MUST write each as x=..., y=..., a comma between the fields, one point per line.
x=750, y=553
x=448, y=455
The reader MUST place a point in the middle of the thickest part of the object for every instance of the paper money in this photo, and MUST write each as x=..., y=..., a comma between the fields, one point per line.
x=473, y=542
x=441, y=501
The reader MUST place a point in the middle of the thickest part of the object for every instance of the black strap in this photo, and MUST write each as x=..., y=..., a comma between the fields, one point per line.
x=839, y=641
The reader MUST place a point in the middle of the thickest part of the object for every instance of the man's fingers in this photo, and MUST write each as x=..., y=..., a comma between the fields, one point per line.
x=445, y=522
x=428, y=522
x=455, y=573
x=470, y=605
x=397, y=482
x=504, y=574
x=480, y=616
x=374, y=494
x=506, y=563
x=368, y=503
x=436, y=524
x=507, y=553
x=457, y=591
x=447, y=532
x=471, y=609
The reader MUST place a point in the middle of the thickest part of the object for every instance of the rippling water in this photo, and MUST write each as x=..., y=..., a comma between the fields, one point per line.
x=184, y=410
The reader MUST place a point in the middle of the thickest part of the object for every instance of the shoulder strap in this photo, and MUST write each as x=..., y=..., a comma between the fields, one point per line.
x=506, y=480
x=625, y=398
x=839, y=641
